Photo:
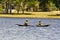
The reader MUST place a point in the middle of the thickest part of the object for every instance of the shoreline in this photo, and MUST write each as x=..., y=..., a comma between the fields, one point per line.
x=24, y=16
x=34, y=15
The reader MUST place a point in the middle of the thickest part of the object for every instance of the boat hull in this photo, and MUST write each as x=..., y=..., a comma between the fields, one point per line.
x=32, y=25
x=42, y=25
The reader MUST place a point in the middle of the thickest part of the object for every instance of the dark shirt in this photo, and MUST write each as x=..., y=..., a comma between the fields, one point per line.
x=26, y=23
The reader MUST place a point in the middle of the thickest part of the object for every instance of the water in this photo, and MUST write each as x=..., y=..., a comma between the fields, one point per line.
x=10, y=31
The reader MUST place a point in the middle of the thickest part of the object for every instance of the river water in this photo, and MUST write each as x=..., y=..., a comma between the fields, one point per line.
x=10, y=31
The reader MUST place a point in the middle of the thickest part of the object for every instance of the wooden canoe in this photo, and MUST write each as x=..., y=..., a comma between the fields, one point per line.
x=33, y=25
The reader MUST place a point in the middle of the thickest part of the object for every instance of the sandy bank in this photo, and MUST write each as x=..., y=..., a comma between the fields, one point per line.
x=35, y=15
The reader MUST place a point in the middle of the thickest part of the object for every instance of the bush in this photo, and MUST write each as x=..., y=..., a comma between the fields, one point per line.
x=0, y=8
x=52, y=6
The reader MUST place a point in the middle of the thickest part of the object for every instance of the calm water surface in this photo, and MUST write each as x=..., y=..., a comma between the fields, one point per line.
x=10, y=31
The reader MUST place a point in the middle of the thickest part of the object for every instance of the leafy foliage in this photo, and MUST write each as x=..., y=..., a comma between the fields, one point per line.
x=35, y=5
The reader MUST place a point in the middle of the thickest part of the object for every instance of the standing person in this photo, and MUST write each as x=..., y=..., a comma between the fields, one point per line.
x=26, y=22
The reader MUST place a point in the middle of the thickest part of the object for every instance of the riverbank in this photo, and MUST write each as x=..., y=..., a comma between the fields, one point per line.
x=52, y=14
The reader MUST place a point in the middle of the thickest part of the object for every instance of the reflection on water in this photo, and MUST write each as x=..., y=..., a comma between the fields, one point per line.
x=10, y=31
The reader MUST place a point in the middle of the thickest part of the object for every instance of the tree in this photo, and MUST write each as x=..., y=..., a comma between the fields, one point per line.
x=17, y=3
x=20, y=4
x=0, y=8
x=43, y=5
x=33, y=5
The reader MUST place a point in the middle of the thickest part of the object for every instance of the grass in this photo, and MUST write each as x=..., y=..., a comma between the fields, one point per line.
x=52, y=14
x=17, y=13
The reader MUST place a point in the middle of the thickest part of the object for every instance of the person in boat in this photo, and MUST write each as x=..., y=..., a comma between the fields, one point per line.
x=39, y=23
x=26, y=22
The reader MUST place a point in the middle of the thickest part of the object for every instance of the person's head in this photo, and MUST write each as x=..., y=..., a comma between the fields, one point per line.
x=26, y=20
x=39, y=21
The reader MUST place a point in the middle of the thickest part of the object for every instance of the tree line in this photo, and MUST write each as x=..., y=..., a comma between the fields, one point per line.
x=29, y=5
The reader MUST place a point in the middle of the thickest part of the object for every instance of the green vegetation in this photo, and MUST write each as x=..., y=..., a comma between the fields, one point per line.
x=0, y=8
x=28, y=5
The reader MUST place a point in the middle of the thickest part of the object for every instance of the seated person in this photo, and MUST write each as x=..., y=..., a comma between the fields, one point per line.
x=26, y=23
x=39, y=23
